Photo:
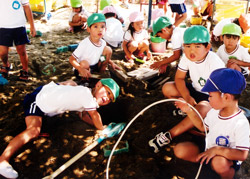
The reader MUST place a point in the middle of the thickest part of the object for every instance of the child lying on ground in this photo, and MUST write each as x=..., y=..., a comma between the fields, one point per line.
x=53, y=99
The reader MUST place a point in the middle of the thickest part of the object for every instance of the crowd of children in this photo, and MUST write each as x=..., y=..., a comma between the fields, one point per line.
x=216, y=79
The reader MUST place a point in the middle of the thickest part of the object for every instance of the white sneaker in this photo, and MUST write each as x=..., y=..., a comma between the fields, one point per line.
x=160, y=140
x=7, y=171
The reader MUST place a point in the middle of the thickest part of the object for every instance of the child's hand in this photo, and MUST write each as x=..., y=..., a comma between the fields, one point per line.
x=114, y=66
x=163, y=68
x=85, y=73
x=156, y=65
x=33, y=31
x=207, y=155
x=149, y=55
x=183, y=106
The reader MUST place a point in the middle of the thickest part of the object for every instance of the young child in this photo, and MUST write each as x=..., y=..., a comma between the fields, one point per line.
x=178, y=7
x=92, y=54
x=231, y=52
x=243, y=21
x=114, y=33
x=56, y=98
x=203, y=8
x=78, y=16
x=163, y=28
x=13, y=31
x=135, y=41
x=227, y=142
x=200, y=62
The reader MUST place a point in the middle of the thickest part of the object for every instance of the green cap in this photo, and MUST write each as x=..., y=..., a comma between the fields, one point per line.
x=104, y=3
x=94, y=18
x=231, y=29
x=161, y=23
x=196, y=34
x=112, y=85
x=76, y=3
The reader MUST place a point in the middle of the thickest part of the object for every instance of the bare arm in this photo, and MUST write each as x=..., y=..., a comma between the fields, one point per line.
x=176, y=55
x=96, y=118
x=124, y=46
x=83, y=72
x=30, y=19
x=193, y=116
x=181, y=87
x=229, y=153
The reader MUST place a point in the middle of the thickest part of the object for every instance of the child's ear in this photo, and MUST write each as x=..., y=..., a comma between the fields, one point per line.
x=208, y=46
x=98, y=85
x=88, y=29
x=221, y=38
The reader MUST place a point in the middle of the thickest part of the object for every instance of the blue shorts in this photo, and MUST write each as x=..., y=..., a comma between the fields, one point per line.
x=10, y=36
x=29, y=104
x=198, y=96
x=179, y=8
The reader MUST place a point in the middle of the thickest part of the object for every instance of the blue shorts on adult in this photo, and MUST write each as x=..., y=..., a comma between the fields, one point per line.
x=29, y=104
x=10, y=36
x=178, y=8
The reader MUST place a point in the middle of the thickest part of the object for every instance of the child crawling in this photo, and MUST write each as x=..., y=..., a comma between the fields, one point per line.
x=56, y=98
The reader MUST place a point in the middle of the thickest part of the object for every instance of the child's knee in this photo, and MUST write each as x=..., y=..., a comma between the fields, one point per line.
x=221, y=164
x=168, y=89
x=186, y=151
x=84, y=64
x=107, y=51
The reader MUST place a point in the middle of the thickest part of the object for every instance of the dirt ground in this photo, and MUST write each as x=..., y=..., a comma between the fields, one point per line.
x=67, y=134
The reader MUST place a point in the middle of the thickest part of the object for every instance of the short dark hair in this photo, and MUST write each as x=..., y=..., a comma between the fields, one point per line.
x=110, y=14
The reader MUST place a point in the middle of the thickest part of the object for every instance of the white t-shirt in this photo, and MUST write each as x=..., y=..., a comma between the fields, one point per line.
x=55, y=99
x=200, y=71
x=88, y=51
x=176, y=1
x=232, y=131
x=12, y=14
x=219, y=26
x=240, y=52
x=177, y=38
x=84, y=11
x=114, y=33
x=137, y=36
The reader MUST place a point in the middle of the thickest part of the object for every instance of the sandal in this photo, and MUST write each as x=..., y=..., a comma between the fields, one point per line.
x=5, y=71
x=24, y=76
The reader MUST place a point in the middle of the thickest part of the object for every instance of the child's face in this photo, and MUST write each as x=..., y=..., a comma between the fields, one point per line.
x=138, y=26
x=97, y=30
x=196, y=52
x=230, y=41
x=215, y=100
x=165, y=33
x=77, y=9
x=103, y=94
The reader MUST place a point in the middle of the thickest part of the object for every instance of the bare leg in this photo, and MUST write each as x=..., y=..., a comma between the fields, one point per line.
x=21, y=50
x=4, y=55
x=33, y=129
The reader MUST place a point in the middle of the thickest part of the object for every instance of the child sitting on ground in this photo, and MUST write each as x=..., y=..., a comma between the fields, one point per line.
x=114, y=33
x=200, y=62
x=163, y=28
x=56, y=98
x=231, y=52
x=135, y=41
x=92, y=53
x=227, y=142
x=78, y=16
